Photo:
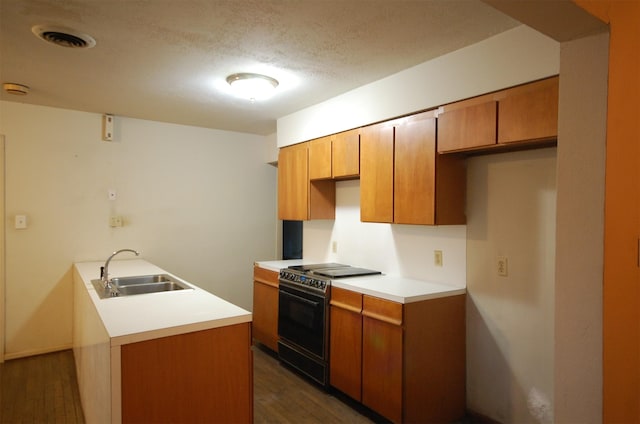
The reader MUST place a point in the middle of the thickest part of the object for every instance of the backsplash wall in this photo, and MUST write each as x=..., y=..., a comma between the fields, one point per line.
x=405, y=250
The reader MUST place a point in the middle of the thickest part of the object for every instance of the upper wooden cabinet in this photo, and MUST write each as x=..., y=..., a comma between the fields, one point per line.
x=293, y=182
x=529, y=112
x=320, y=158
x=524, y=114
x=345, y=154
x=402, y=178
x=299, y=198
x=376, y=173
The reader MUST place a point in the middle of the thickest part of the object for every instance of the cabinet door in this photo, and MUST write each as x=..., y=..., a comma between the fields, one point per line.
x=376, y=173
x=529, y=112
x=346, y=154
x=265, y=307
x=320, y=158
x=345, y=367
x=415, y=172
x=382, y=357
x=293, y=183
x=467, y=124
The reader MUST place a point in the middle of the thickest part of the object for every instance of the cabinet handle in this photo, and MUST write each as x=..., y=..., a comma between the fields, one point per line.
x=345, y=306
x=383, y=318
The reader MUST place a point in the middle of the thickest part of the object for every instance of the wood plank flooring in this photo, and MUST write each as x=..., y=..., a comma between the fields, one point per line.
x=40, y=389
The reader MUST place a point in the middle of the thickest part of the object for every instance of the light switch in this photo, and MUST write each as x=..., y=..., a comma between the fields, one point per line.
x=21, y=222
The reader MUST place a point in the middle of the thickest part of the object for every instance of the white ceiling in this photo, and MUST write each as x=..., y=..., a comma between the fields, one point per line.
x=166, y=60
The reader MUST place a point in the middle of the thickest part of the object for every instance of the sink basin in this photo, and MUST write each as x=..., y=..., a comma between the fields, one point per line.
x=139, y=284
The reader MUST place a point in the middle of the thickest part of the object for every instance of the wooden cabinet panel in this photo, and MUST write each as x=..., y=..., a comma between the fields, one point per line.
x=320, y=158
x=174, y=379
x=382, y=367
x=529, y=112
x=414, y=172
x=467, y=125
x=376, y=173
x=265, y=307
x=346, y=154
x=345, y=367
x=293, y=183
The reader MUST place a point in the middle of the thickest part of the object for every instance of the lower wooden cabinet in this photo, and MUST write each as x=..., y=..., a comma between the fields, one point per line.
x=265, y=307
x=345, y=345
x=203, y=376
x=403, y=361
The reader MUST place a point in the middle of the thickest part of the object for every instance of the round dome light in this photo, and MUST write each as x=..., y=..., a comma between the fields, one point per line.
x=252, y=86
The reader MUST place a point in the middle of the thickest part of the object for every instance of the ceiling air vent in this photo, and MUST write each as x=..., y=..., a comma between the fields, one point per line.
x=64, y=37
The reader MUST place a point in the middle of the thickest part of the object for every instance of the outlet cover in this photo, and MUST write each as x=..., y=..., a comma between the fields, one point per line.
x=437, y=257
x=502, y=266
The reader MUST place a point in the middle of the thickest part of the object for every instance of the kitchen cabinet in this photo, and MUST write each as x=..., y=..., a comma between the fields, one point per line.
x=526, y=115
x=382, y=357
x=345, y=369
x=177, y=356
x=320, y=158
x=345, y=154
x=265, y=307
x=403, y=361
x=402, y=178
x=299, y=198
x=376, y=173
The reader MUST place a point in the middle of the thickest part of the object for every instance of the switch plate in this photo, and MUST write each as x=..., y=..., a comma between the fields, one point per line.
x=21, y=222
x=437, y=257
x=115, y=221
x=112, y=194
x=502, y=266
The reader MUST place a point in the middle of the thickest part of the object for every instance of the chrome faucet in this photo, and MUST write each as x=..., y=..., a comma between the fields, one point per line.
x=105, y=273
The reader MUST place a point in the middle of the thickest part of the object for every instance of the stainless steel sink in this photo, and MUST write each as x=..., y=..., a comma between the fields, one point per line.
x=139, y=284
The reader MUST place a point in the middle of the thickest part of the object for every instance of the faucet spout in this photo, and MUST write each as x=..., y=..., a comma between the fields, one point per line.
x=105, y=274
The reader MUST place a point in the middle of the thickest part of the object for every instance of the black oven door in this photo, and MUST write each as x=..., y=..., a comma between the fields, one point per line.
x=301, y=319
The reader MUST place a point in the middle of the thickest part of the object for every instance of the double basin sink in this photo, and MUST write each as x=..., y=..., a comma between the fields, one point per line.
x=139, y=284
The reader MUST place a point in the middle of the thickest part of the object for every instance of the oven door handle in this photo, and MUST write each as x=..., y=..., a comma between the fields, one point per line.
x=301, y=299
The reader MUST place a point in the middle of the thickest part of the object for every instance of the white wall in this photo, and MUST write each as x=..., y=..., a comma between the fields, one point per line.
x=511, y=206
x=197, y=202
x=510, y=58
x=580, y=223
x=405, y=250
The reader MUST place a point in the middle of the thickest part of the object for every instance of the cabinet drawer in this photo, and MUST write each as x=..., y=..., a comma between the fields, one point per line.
x=381, y=309
x=265, y=276
x=346, y=299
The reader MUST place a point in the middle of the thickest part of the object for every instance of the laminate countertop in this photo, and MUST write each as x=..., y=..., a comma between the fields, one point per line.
x=130, y=319
x=390, y=287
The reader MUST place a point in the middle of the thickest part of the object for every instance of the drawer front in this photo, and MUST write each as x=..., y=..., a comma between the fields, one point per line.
x=346, y=299
x=265, y=276
x=381, y=309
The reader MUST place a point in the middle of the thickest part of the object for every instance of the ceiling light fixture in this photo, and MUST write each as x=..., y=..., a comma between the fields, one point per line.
x=17, y=89
x=252, y=86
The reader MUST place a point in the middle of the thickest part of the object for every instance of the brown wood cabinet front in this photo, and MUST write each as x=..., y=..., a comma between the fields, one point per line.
x=293, y=183
x=346, y=154
x=382, y=357
x=376, y=173
x=345, y=367
x=320, y=158
x=204, y=376
x=466, y=125
x=265, y=307
x=529, y=112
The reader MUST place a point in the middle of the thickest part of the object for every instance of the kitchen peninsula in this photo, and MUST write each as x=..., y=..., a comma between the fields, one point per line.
x=175, y=356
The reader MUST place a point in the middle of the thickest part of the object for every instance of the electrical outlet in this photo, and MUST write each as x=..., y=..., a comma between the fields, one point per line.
x=437, y=257
x=502, y=266
x=334, y=247
x=115, y=221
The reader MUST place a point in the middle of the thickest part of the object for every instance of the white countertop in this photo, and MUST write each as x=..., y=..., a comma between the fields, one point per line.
x=136, y=318
x=394, y=288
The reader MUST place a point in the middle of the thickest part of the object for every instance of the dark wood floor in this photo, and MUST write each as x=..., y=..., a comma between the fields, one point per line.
x=40, y=389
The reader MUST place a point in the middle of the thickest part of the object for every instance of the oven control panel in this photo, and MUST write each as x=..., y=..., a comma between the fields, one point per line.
x=304, y=280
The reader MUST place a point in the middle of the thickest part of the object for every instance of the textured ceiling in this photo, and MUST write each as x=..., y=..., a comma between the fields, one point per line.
x=166, y=60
